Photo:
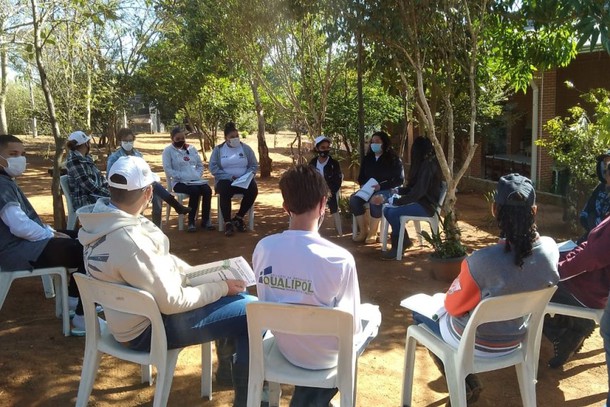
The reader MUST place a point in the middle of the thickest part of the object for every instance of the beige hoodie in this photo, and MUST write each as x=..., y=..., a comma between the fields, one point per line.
x=130, y=250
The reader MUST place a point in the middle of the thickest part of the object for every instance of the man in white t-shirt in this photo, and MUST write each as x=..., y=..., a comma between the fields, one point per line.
x=298, y=266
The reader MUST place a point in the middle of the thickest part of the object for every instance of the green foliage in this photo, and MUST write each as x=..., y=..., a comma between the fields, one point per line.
x=574, y=143
x=447, y=241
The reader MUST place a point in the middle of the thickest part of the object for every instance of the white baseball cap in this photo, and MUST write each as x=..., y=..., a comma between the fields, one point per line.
x=320, y=139
x=135, y=170
x=79, y=136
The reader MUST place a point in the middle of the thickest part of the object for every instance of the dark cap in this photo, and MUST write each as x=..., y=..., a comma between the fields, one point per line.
x=515, y=190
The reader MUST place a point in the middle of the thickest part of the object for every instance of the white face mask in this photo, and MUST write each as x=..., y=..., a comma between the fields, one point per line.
x=127, y=145
x=16, y=165
x=233, y=142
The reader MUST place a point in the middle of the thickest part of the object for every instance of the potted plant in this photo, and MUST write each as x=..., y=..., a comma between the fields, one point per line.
x=446, y=259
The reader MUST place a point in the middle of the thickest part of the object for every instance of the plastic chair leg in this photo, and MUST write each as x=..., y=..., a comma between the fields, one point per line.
x=5, y=283
x=401, y=239
x=275, y=391
x=206, y=370
x=408, y=371
x=418, y=232
x=526, y=376
x=91, y=363
x=49, y=287
x=165, y=375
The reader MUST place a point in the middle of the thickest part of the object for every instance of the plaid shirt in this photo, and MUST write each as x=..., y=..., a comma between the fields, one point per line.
x=86, y=182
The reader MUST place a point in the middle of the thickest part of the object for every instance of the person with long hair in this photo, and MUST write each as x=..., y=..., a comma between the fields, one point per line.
x=521, y=261
x=382, y=164
x=418, y=198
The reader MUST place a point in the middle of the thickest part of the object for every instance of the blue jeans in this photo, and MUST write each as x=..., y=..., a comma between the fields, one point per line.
x=356, y=204
x=225, y=318
x=393, y=214
x=604, y=329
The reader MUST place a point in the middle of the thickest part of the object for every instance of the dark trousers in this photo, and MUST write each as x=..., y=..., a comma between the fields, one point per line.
x=312, y=396
x=195, y=192
x=556, y=326
x=332, y=203
x=68, y=253
x=226, y=191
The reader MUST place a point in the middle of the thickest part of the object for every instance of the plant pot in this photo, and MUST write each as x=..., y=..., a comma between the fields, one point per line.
x=445, y=269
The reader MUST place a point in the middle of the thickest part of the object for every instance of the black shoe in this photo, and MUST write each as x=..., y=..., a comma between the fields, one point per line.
x=389, y=255
x=207, y=224
x=229, y=229
x=183, y=210
x=239, y=224
x=565, y=346
x=192, y=228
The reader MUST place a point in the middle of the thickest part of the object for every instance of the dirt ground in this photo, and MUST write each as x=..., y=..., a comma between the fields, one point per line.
x=41, y=367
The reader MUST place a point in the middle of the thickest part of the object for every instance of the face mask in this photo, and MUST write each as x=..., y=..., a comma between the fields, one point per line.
x=324, y=153
x=233, y=142
x=127, y=145
x=15, y=165
x=179, y=144
x=320, y=220
x=376, y=147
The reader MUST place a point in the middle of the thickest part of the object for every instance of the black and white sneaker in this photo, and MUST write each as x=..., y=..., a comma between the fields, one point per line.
x=239, y=224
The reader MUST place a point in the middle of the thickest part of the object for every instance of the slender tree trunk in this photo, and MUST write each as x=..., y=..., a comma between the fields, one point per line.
x=264, y=161
x=360, y=68
x=3, y=89
x=58, y=204
x=33, y=106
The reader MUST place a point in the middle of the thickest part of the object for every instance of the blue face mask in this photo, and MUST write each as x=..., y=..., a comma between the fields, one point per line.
x=376, y=147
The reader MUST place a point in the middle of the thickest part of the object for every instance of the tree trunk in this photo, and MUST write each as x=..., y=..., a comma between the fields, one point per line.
x=264, y=161
x=59, y=220
x=3, y=89
x=359, y=69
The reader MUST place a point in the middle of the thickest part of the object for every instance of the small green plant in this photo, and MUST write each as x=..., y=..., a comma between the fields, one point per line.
x=344, y=208
x=447, y=241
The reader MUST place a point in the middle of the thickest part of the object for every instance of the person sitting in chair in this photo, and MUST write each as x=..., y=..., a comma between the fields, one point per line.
x=160, y=193
x=184, y=168
x=301, y=254
x=26, y=242
x=123, y=247
x=521, y=261
x=229, y=161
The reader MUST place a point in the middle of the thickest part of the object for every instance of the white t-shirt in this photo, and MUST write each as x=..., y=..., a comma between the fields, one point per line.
x=301, y=267
x=233, y=160
x=320, y=166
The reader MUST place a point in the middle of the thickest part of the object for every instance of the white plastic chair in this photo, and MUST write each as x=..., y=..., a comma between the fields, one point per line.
x=588, y=313
x=180, y=198
x=461, y=362
x=65, y=187
x=267, y=363
x=433, y=221
x=99, y=339
x=55, y=280
x=221, y=221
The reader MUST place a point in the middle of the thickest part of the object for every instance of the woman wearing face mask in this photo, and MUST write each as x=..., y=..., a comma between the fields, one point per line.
x=184, y=170
x=330, y=170
x=127, y=139
x=383, y=165
x=86, y=181
x=228, y=162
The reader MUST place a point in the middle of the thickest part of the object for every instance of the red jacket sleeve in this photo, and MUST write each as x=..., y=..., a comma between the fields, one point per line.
x=591, y=255
x=464, y=294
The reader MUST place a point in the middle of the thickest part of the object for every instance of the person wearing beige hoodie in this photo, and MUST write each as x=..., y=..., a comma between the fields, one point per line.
x=123, y=247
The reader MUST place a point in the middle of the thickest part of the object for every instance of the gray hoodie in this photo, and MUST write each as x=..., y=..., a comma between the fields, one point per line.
x=130, y=250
